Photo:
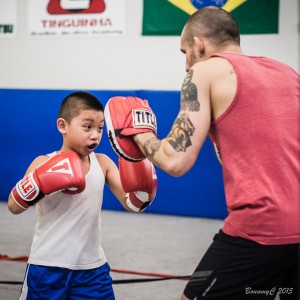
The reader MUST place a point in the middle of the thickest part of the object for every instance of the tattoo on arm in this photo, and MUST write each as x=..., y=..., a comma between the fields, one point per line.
x=182, y=130
x=151, y=146
x=189, y=97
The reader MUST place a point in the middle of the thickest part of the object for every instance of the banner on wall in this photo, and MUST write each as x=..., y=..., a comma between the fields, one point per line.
x=167, y=17
x=8, y=18
x=76, y=18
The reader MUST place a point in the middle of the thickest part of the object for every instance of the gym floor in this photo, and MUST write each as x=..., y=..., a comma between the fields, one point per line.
x=144, y=246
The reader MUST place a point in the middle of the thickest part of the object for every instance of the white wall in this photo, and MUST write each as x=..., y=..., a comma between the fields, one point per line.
x=128, y=62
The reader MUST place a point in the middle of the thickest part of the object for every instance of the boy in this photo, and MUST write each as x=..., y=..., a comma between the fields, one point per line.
x=66, y=259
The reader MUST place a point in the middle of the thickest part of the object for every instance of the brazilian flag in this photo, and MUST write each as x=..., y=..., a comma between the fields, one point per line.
x=167, y=17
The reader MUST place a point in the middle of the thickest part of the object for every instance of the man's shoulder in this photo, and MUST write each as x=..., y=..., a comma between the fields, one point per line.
x=211, y=67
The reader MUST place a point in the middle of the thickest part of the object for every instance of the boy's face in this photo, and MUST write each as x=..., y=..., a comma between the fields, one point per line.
x=83, y=134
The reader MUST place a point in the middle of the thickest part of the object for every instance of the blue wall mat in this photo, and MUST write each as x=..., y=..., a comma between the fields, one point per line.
x=29, y=129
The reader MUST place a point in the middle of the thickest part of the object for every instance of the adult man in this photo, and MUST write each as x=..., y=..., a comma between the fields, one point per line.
x=249, y=107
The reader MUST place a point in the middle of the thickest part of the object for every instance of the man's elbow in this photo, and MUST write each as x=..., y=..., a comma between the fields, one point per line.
x=177, y=172
x=176, y=169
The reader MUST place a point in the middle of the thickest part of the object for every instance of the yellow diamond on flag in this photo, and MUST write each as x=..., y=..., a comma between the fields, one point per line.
x=189, y=8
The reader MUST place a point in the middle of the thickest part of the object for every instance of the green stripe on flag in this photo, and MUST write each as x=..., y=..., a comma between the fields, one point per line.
x=257, y=16
x=161, y=17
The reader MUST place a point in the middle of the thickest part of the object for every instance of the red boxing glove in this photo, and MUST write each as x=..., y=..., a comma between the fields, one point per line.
x=139, y=181
x=62, y=172
x=125, y=117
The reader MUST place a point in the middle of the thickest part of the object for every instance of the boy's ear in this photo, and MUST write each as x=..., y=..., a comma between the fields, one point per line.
x=61, y=125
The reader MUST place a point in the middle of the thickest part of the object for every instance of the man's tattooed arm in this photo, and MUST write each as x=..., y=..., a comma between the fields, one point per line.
x=189, y=96
x=151, y=146
x=183, y=128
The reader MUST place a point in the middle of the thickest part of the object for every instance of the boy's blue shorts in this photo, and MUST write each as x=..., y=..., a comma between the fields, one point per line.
x=55, y=283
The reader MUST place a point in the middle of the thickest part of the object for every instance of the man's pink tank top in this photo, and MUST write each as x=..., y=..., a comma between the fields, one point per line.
x=258, y=138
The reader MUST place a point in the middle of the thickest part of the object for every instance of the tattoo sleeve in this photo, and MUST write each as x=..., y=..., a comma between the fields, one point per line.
x=180, y=136
x=182, y=130
x=189, y=97
x=151, y=146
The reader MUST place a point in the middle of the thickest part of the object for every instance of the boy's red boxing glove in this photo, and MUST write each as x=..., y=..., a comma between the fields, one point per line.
x=125, y=117
x=139, y=181
x=62, y=172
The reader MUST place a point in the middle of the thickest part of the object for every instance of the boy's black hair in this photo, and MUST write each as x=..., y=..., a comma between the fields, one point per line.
x=76, y=102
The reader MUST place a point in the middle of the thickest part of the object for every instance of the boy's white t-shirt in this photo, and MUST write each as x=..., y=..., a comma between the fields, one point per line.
x=68, y=229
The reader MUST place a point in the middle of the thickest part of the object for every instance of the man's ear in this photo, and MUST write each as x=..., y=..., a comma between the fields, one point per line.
x=199, y=45
x=61, y=125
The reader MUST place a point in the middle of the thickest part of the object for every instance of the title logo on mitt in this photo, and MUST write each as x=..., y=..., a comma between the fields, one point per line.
x=144, y=119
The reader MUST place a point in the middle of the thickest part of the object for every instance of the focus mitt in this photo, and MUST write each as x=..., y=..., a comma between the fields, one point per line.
x=126, y=117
